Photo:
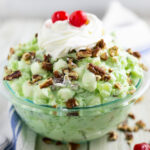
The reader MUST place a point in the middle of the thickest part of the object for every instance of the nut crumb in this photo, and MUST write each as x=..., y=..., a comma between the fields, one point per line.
x=71, y=103
x=110, y=70
x=117, y=86
x=112, y=136
x=140, y=124
x=95, y=51
x=73, y=146
x=84, y=53
x=129, y=138
x=101, y=44
x=136, y=128
x=131, y=115
x=47, y=83
x=113, y=51
x=13, y=75
x=47, y=66
x=104, y=56
x=137, y=55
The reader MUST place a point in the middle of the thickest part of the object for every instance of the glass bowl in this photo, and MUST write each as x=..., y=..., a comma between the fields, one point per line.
x=75, y=125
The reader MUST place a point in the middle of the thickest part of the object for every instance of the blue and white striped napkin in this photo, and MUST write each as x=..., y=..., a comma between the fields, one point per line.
x=22, y=137
x=120, y=19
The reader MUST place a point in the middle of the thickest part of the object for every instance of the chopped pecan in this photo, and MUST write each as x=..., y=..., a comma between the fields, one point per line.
x=112, y=136
x=47, y=66
x=117, y=85
x=11, y=52
x=66, y=71
x=140, y=124
x=71, y=103
x=96, y=70
x=73, y=75
x=137, y=55
x=129, y=137
x=36, y=78
x=47, y=83
x=136, y=128
x=71, y=64
x=113, y=51
x=106, y=77
x=143, y=67
x=28, y=56
x=12, y=76
x=84, y=53
x=73, y=146
x=95, y=51
x=132, y=91
x=110, y=70
x=47, y=58
x=47, y=140
x=104, y=56
x=131, y=115
x=7, y=71
x=57, y=74
x=130, y=51
x=101, y=44
x=36, y=35
x=98, y=77
x=123, y=127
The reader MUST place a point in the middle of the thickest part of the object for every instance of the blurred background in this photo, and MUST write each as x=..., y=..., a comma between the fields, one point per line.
x=44, y=8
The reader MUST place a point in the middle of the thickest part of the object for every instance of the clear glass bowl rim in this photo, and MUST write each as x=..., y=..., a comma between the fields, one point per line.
x=30, y=102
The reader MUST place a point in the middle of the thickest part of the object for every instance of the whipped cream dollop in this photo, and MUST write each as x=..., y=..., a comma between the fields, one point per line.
x=60, y=37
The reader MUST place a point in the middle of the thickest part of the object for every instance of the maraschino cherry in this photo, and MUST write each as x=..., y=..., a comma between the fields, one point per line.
x=59, y=16
x=142, y=146
x=78, y=18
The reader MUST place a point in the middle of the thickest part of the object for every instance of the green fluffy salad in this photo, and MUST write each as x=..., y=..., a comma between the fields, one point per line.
x=82, y=78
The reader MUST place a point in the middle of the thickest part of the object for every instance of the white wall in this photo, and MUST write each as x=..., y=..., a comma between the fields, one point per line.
x=43, y=8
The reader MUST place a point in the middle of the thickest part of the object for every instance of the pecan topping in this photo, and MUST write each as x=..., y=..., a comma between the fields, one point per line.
x=113, y=51
x=136, y=128
x=123, y=127
x=101, y=44
x=71, y=103
x=96, y=70
x=143, y=67
x=73, y=75
x=117, y=85
x=28, y=56
x=36, y=78
x=98, y=77
x=7, y=71
x=95, y=52
x=11, y=52
x=104, y=56
x=106, y=77
x=12, y=76
x=137, y=55
x=130, y=51
x=47, y=66
x=129, y=138
x=112, y=136
x=47, y=58
x=110, y=70
x=47, y=140
x=47, y=83
x=84, y=53
x=71, y=64
x=132, y=91
x=73, y=146
x=36, y=35
x=140, y=124
x=131, y=115
x=57, y=74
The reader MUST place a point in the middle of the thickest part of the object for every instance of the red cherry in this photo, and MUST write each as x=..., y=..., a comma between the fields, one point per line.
x=142, y=146
x=78, y=18
x=59, y=15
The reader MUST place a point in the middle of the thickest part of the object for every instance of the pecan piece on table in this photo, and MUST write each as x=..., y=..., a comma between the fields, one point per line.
x=129, y=51
x=140, y=124
x=96, y=70
x=113, y=51
x=84, y=53
x=112, y=136
x=47, y=66
x=101, y=44
x=47, y=83
x=129, y=137
x=71, y=103
x=12, y=76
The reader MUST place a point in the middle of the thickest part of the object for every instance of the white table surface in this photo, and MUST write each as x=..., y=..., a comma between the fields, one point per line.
x=14, y=31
